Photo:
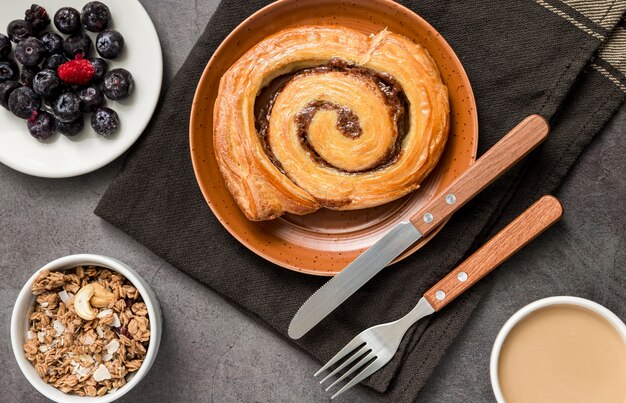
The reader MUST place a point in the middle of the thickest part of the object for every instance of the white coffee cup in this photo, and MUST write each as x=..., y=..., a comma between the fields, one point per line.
x=524, y=312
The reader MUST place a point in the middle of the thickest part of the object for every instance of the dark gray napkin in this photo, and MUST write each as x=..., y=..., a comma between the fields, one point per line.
x=522, y=57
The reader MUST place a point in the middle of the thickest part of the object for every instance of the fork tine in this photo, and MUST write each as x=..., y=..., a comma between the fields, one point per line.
x=356, y=366
x=369, y=370
x=362, y=351
x=353, y=344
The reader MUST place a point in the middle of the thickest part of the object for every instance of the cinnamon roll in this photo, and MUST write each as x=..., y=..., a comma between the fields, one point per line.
x=326, y=116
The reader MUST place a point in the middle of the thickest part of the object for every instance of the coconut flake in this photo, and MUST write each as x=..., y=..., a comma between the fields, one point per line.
x=30, y=335
x=64, y=296
x=43, y=348
x=88, y=341
x=44, y=304
x=104, y=312
x=116, y=321
x=101, y=373
x=48, y=313
x=113, y=346
x=81, y=371
x=112, y=390
x=40, y=336
x=59, y=328
x=107, y=357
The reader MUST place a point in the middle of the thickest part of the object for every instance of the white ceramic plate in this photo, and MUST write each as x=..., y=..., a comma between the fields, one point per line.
x=60, y=156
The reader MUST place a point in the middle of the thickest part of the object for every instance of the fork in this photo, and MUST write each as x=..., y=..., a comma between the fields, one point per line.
x=374, y=347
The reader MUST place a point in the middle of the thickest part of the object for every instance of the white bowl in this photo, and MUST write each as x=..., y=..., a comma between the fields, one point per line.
x=26, y=300
x=542, y=303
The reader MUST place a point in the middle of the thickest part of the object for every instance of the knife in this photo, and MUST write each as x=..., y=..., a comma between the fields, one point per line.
x=520, y=141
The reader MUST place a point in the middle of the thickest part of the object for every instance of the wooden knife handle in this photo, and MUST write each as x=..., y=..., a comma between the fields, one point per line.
x=532, y=222
x=520, y=141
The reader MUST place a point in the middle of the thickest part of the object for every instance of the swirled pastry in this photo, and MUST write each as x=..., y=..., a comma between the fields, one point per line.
x=326, y=116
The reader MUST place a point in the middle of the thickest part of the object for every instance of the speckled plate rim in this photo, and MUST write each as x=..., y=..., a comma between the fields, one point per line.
x=197, y=161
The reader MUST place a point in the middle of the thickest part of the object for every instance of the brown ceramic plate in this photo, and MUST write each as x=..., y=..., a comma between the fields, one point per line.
x=324, y=242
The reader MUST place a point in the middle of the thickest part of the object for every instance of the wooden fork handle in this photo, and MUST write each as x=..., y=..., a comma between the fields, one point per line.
x=532, y=222
x=521, y=140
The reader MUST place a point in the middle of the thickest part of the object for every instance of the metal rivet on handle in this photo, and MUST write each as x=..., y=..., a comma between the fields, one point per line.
x=428, y=218
x=462, y=276
x=440, y=295
x=450, y=199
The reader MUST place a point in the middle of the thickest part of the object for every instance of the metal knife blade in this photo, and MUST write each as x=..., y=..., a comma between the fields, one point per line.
x=360, y=271
x=521, y=140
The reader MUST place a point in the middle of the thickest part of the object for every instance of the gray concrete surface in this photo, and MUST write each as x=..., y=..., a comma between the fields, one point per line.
x=212, y=352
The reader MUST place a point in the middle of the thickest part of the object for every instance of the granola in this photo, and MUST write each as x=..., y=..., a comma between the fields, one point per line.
x=86, y=357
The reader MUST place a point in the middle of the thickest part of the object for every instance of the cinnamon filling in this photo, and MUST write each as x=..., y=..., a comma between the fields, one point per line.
x=347, y=120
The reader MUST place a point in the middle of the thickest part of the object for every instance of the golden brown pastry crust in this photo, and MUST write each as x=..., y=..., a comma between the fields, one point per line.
x=300, y=167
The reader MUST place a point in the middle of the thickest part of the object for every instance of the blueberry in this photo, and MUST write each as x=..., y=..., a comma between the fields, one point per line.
x=52, y=43
x=37, y=17
x=67, y=20
x=53, y=62
x=105, y=121
x=28, y=74
x=23, y=102
x=48, y=102
x=6, y=88
x=109, y=44
x=5, y=46
x=71, y=128
x=77, y=44
x=41, y=126
x=46, y=83
x=66, y=107
x=30, y=51
x=18, y=30
x=95, y=16
x=91, y=98
x=8, y=70
x=118, y=84
x=101, y=67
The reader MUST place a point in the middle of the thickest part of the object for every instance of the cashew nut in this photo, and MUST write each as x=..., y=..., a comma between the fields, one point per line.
x=81, y=303
x=92, y=295
x=102, y=298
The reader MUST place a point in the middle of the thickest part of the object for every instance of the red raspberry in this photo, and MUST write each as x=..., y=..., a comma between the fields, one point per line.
x=78, y=71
